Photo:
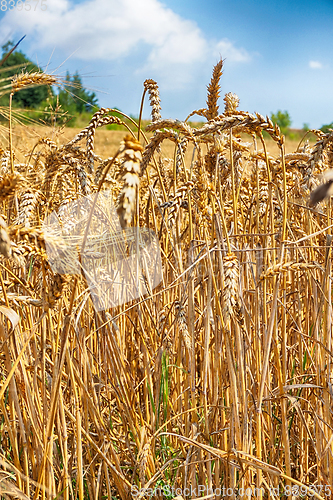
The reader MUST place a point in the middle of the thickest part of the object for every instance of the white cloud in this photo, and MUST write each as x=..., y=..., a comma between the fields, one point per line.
x=229, y=51
x=114, y=29
x=315, y=65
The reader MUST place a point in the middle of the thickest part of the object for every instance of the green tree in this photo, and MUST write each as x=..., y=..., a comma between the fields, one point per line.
x=74, y=98
x=282, y=119
x=30, y=97
x=326, y=128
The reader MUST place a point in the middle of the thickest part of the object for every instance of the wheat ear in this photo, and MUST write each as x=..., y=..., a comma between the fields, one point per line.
x=131, y=169
x=214, y=91
x=231, y=278
x=154, y=98
x=9, y=185
x=231, y=102
x=27, y=79
x=5, y=244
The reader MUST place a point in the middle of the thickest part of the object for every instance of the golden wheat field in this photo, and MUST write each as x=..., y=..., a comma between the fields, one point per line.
x=215, y=381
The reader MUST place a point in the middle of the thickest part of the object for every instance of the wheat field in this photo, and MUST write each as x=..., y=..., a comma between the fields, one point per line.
x=217, y=382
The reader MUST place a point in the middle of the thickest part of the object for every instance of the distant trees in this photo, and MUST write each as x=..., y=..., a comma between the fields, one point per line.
x=326, y=128
x=30, y=97
x=72, y=98
x=282, y=119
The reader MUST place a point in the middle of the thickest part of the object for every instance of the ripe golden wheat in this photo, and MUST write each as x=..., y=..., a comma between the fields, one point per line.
x=222, y=375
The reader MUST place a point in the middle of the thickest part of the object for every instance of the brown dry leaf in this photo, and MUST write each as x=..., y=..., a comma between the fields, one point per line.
x=10, y=314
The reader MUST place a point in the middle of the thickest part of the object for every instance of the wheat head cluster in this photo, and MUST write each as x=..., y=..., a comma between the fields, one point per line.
x=219, y=376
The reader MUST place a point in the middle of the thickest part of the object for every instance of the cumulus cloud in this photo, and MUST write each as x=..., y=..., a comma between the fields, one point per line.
x=115, y=29
x=315, y=65
x=228, y=50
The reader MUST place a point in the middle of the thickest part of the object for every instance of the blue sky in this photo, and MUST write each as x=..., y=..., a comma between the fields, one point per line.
x=278, y=54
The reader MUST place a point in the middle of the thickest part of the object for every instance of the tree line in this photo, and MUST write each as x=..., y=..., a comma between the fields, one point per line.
x=283, y=120
x=72, y=99
x=68, y=101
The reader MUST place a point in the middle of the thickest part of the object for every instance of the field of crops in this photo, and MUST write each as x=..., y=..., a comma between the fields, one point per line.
x=214, y=380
